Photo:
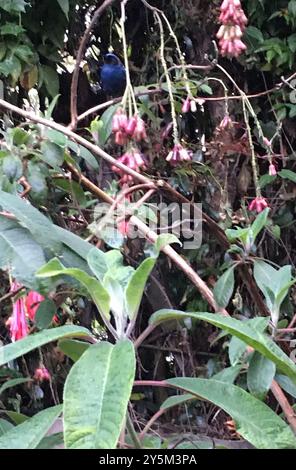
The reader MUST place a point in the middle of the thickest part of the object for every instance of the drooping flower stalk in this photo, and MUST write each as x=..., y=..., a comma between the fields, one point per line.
x=234, y=22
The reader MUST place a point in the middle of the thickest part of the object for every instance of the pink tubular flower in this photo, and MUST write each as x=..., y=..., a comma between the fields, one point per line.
x=17, y=322
x=131, y=125
x=258, y=204
x=120, y=138
x=186, y=105
x=178, y=154
x=272, y=170
x=119, y=121
x=234, y=22
x=33, y=300
x=41, y=374
x=226, y=123
x=133, y=160
x=140, y=130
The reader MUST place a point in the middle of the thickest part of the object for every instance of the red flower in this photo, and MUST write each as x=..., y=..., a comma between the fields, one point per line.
x=258, y=204
x=33, y=300
x=17, y=322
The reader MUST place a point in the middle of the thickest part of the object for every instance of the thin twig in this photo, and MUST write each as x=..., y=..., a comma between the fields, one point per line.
x=80, y=54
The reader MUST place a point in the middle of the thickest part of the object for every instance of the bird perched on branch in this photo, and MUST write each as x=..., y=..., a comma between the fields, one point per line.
x=113, y=76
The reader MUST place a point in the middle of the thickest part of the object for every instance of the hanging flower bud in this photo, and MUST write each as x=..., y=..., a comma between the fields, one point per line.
x=140, y=130
x=178, y=154
x=272, y=170
x=266, y=142
x=186, y=105
x=131, y=125
x=120, y=138
x=258, y=204
x=193, y=107
x=226, y=123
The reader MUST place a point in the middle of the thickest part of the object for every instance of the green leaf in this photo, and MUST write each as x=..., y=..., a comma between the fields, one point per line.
x=96, y=396
x=251, y=336
x=11, y=29
x=5, y=426
x=14, y=6
x=84, y=153
x=64, y=4
x=176, y=400
x=236, y=351
x=288, y=175
x=255, y=421
x=51, y=80
x=39, y=226
x=166, y=239
x=260, y=222
x=23, y=346
x=13, y=383
x=223, y=289
x=17, y=418
x=73, y=348
x=95, y=288
x=260, y=375
x=73, y=188
x=228, y=375
x=136, y=285
x=45, y=313
x=28, y=434
x=12, y=167
x=52, y=154
x=286, y=384
x=19, y=252
x=254, y=33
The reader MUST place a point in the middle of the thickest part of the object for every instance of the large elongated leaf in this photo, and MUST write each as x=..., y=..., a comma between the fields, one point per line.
x=39, y=226
x=19, y=251
x=223, y=289
x=135, y=288
x=28, y=434
x=260, y=375
x=95, y=288
x=23, y=346
x=96, y=396
x=258, y=340
x=255, y=421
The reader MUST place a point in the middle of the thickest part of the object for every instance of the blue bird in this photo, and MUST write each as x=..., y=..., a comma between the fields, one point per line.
x=113, y=76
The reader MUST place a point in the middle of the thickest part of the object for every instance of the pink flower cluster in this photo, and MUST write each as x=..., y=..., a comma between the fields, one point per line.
x=234, y=22
x=258, y=204
x=134, y=160
x=41, y=374
x=25, y=307
x=17, y=323
x=125, y=128
x=226, y=123
x=178, y=154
